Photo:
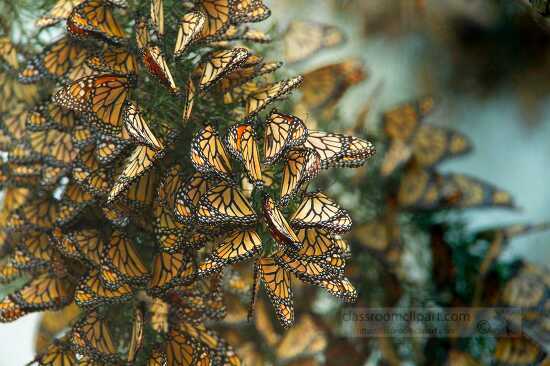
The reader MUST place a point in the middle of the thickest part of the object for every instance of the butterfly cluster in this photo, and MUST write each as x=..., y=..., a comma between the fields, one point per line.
x=415, y=192
x=138, y=170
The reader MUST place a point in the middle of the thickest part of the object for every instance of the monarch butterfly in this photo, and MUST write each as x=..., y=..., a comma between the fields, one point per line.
x=300, y=167
x=109, y=148
x=249, y=11
x=141, y=193
x=235, y=247
x=142, y=33
x=157, y=357
x=14, y=125
x=409, y=137
x=86, y=244
x=208, y=154
x=10, y=310
x=116, y=60
x=137, y=164
x=122, y=258
x=317, y=243
x=38, y=213
x=220, y=63
x=246, y=72
x=254, y=35
x=477, y=193
x=309, y=269
x=245, y=34
x=49, y=115
x=157, y=16
x=188, y=197
x=169, y=270
x=426, y=190
x=218, y=15
x=15, y=197
x=90, y=175
x=317, y=210
x=45, y=292
x=304, y=338
x=95, y=18
x=303, y=39
x=225, y=204
x=278, y=226
x=73, y=201
x=338, y=150
x=33, y=252
x=52, y=323
x=401, y=122
x=55, y=62
x=190, y=26
x=103, y=96
x=136, y=338
x=169, y=232
x=60, y=11
x=56, y=147
x=202, y=337
x=59, y=352
x=8, y=53
x=526, y=289
x=189, y=101
x=22, y=153
x=8, y=272
x=518, y=351
x=180, y=350
x=82, y=136
x=260, y=98
x=91, y=291
x=91, y=336
x=138, y=128
x=156, y=64
x=169, y=186
x=341, y=288
x=14, y=92
x=96, y=182
x=241, y=143
x=323, y=87
x=277, y=284
x=382, y=237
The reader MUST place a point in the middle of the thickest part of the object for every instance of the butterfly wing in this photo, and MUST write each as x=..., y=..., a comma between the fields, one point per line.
x=278, y=226
x=304, y=39
x=318, y=210
x=157, y=16
x=301, y=166
x=190, y=26
x=136, y=338
x=219, y=64
x=225, y=204
x=277, y=284
x=138, y=128
x=138, y=163
x=282, y=131
x=95, y=17
x=235, y=247
x=154, y=61
x=208, y=154
x=91, y=337
x=259, y=99
x=241, y=143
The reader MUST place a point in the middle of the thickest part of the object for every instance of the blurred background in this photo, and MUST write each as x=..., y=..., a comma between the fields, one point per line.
x=487, y=62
